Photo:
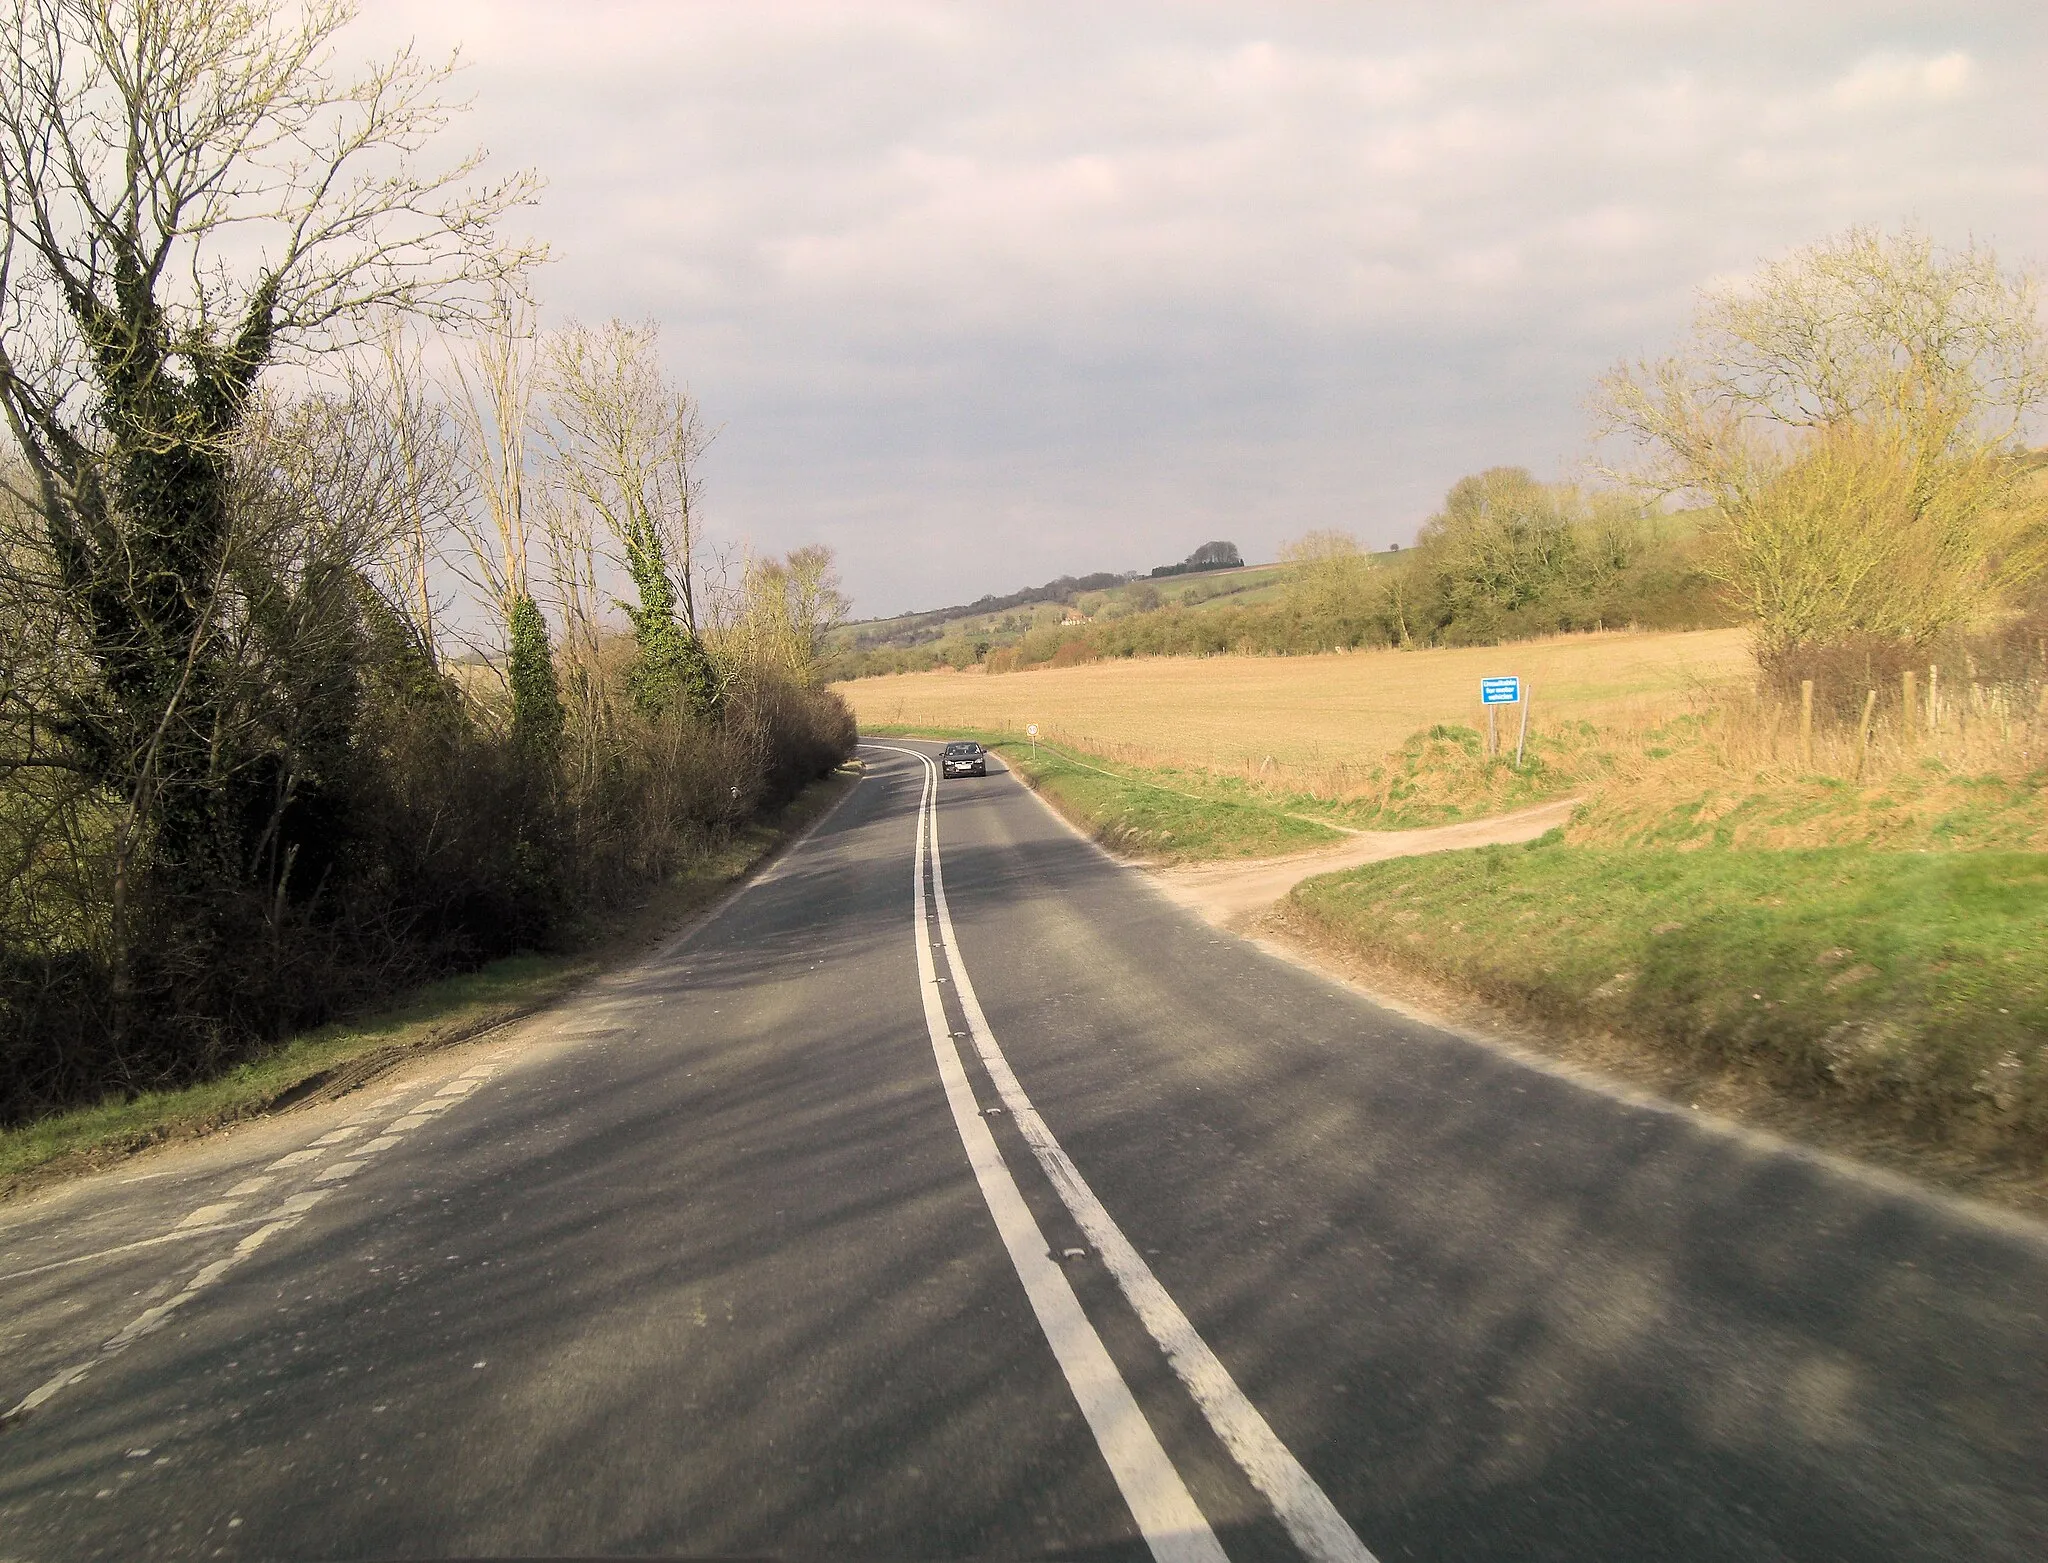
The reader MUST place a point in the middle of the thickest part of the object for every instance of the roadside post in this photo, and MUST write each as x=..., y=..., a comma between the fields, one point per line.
x=1031, y=732
x=1500, y=692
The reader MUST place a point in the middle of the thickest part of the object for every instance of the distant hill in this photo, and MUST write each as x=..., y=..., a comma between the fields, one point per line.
x=913, y=629
x=912, y=640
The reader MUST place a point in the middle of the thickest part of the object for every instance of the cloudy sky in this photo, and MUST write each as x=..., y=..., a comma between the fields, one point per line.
x=983, y=294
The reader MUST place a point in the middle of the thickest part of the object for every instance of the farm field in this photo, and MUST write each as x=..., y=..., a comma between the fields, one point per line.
x=1339, y=709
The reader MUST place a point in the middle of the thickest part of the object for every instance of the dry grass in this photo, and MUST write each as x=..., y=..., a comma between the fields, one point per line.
x=1664, y=735
x=1733, y=772
x=1304, y=715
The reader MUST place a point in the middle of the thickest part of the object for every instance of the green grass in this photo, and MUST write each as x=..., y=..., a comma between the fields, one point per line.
x=1914, y=980
x=1149, y=817
x=436, y=1015
x=1436, y=777
x=1162, y=815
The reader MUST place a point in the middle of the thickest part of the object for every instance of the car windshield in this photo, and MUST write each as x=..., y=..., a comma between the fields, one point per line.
x=963, y=749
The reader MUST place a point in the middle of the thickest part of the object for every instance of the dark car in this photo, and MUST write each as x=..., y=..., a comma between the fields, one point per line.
x=966, y=759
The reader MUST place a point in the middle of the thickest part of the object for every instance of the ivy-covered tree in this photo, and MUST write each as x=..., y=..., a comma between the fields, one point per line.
x=536, y=695
x=188, y=194
x=672, y=672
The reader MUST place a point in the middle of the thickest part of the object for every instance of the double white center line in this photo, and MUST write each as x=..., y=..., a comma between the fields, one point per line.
x=1166, y=1513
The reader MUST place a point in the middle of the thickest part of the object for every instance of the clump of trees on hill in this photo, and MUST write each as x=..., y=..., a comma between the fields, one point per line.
x=246, y=782
x=1505, y=557
x=1210, y=556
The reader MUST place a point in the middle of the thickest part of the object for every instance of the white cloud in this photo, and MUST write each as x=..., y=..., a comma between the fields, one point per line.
x=1880, y=80
x=986, y=292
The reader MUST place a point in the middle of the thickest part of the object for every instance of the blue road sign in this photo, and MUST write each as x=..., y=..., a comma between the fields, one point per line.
x=1500, y=691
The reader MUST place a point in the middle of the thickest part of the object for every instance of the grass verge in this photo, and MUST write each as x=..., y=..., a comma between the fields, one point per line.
x=340, y=1057
x=1904, y=987
x=1156, y=814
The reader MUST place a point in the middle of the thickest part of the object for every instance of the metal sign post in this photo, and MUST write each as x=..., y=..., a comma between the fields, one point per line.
x=1031, y=732
x=1499, y=692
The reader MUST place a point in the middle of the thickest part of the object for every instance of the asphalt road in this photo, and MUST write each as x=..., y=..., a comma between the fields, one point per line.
x=1034, y=1219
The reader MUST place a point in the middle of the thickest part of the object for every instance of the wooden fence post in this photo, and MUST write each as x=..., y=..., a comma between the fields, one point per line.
x=1863, y=732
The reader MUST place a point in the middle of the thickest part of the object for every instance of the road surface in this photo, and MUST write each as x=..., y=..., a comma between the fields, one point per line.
x=952, y=1193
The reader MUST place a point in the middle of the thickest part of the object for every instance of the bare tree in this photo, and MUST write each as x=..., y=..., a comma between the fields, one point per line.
x=787, y=607
x=627, y=443
x=495, y=414
x=495, y=377
x=397, y=389
x=1854, y=416
x=1329, y=579
x=576, y=573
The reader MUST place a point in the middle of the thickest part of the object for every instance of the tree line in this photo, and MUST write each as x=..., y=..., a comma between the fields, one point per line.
x=353, y=629
x=1506, y=557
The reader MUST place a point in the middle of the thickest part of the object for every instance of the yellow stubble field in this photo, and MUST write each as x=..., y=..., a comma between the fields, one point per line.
x=1308, y=712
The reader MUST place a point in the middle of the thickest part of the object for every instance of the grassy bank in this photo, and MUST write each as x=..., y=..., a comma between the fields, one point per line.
x=1434, y=778
x=1910, y=985
x=1159, y=814
x=1153, y=816
x=337, y=1058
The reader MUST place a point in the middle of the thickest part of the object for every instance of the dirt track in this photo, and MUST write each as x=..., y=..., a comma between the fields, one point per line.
x=1230, y=894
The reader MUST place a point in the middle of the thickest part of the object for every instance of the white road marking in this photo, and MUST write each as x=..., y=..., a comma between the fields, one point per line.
x=1299, y=1502
x=1167, y=1515
x=207, y=1219
x=299, y=1204
x=177, y=1235
x=151, y=1319
x=210, y=1215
